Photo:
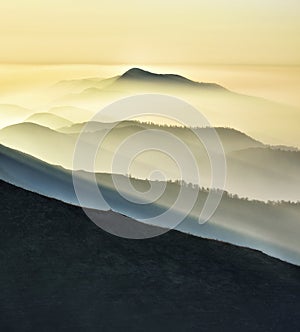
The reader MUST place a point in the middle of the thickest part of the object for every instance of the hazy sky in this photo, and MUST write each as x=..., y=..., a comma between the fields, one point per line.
x=145, y=32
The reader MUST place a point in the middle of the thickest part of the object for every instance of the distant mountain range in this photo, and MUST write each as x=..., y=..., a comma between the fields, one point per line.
x=78, y=100
x=254, y=170
x=139, y=75
x=223, y=108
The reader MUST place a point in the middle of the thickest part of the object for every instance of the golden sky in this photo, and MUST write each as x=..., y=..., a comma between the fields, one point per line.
x=150, y=32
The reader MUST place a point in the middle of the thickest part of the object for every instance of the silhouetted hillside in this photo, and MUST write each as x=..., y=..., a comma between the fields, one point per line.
x=59, y=272
x=141, y=75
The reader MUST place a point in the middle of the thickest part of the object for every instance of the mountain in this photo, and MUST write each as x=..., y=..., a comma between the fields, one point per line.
x=222, y=107
x=85, y=83
x=11, y=114
x=23, y=137
x=272, y=228
x=51, y=146
x=61, y=272
x=133, y=74
x=134, y=80
x=140, y=75
x=254, y=170
x=94, y=126
x=49, y=120
x=232, y=139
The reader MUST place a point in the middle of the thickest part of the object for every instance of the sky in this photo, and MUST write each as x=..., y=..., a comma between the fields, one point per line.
x=150, y=32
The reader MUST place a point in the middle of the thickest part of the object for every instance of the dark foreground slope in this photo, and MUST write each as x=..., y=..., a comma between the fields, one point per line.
x=59, y=272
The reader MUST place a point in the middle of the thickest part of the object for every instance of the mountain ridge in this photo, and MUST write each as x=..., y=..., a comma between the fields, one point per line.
x=269, y=227
x=142, y=75
x=50, y=120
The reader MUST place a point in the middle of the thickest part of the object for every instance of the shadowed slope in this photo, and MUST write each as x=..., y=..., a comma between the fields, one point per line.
x=60, y=272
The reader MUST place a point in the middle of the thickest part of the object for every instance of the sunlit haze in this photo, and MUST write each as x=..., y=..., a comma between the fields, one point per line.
x=145, y=32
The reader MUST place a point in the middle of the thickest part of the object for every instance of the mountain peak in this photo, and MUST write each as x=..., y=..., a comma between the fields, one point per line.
x=139, y=74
